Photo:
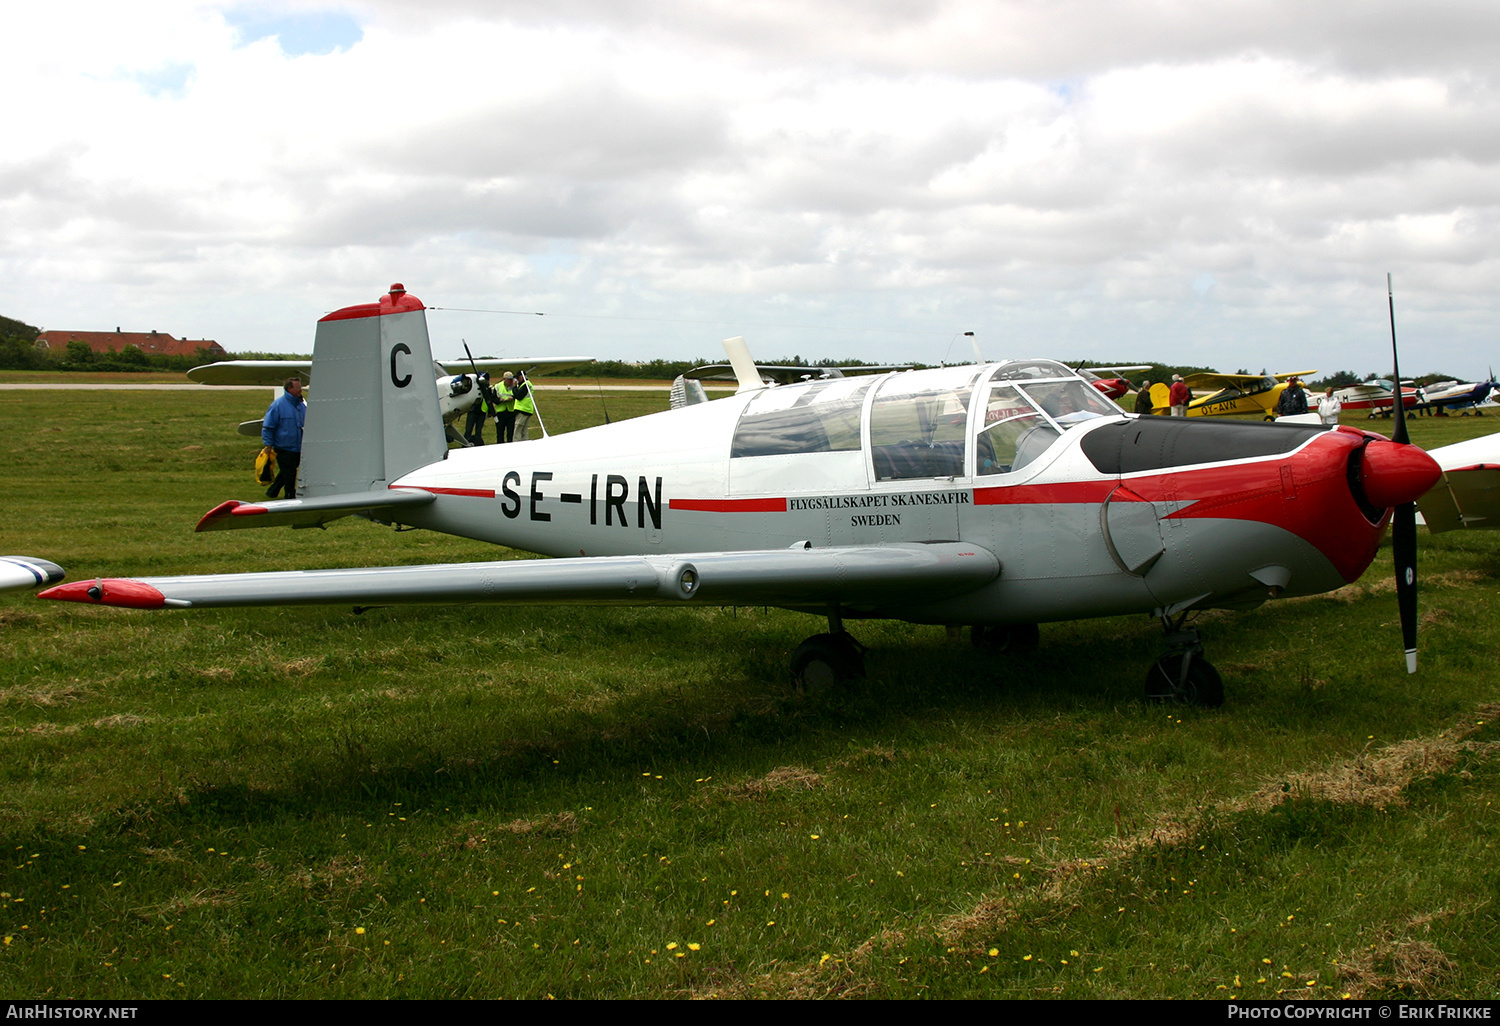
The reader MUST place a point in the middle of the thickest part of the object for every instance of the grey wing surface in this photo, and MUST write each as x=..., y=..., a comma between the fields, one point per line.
x=857, y=576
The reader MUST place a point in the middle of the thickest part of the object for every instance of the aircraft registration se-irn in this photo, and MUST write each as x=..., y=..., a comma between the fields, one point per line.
x=996, y=496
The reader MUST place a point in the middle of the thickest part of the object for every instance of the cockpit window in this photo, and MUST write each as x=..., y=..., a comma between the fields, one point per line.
x=1014, y=432
x=1070, y=402
x=819, y=417
x=918, y=423
x=1021, y=370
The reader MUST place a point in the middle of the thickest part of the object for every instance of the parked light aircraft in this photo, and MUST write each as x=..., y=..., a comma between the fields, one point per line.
x=1228, y=393
x=1377, y=396
x=1452, y=395
x=995, y=495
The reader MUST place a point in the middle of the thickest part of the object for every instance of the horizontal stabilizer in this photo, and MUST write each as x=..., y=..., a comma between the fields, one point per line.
x=862, y=577
x=235, y=515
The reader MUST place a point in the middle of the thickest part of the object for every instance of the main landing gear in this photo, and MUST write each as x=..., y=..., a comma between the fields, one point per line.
x=1014, y=638
x=1183, y=676
x=825, y=661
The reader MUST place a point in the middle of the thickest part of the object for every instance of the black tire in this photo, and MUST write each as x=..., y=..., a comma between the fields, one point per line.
x=1203, y=687
x=826, y=661
x=1016, y=639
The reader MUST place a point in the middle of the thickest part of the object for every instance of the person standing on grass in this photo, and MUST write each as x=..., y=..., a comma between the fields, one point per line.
x=1143, y=405
x=1329, y=406
x=281, y=429
x=1179, y=396
x=525, y=407
x=505, y=409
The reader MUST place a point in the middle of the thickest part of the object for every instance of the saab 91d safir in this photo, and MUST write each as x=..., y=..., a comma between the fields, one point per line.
x=997, y=496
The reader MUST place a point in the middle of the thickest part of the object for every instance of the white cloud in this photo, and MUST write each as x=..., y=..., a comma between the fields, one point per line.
x=1221, y=183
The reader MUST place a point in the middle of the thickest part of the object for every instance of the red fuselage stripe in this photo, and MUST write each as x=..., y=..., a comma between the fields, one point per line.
x=478, y=493
x=729, y=505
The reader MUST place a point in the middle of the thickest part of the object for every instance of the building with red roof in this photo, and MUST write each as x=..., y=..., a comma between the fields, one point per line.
x=155, y=343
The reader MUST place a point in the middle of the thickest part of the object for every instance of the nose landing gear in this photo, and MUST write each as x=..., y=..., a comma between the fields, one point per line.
x=1183, y=676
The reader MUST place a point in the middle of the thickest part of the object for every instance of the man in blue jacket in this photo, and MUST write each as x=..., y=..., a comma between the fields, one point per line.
x=281, y=429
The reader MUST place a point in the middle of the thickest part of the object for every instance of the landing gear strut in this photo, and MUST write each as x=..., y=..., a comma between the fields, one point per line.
x=824, y=661
x=1183, y=676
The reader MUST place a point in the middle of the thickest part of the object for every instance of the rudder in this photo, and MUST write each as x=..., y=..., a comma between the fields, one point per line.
x=373, y=413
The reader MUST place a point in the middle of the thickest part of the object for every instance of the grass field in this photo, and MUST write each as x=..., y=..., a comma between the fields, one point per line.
x=489, y=802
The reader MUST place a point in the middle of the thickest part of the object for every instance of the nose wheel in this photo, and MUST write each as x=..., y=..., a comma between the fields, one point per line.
x=1183, y=676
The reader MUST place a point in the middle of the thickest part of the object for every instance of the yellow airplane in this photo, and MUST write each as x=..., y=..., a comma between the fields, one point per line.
x=1228, y=393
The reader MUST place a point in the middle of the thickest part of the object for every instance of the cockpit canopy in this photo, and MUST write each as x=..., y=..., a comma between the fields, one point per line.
x=919, y=424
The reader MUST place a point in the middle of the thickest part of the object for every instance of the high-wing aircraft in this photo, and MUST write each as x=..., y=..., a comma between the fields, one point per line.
x=1466, y=396
x=1468, y=494
x=17, y=572
x=455, y=379
x=997, y=496
x=1377, y=396
x=1228, y=393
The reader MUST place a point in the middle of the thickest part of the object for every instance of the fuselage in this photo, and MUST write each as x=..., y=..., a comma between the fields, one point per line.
x=1090, y=511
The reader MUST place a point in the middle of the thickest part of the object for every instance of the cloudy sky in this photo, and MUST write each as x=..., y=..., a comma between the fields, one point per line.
x=1220, y=183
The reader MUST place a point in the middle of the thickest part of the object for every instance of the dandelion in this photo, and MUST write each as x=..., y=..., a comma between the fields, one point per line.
x=694, y=946
x=359, y=929
x=710, y=922
x=813, y=836
x=785, y=895
x=672, y=946
x=1026, y=959
x=994, y=952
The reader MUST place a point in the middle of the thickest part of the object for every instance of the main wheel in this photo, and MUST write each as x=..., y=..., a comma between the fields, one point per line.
x=1202, y=685
x=825, y=661
x=1014, y=638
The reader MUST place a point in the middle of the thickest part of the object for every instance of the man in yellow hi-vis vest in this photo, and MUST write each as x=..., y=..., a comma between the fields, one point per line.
x=505, y=408
x=525, y=406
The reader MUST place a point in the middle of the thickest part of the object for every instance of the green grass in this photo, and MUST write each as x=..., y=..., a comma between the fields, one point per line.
x=522, y=802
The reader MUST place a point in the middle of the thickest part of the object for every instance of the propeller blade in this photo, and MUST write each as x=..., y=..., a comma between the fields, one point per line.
x=1404, y=543
x=1404, y=521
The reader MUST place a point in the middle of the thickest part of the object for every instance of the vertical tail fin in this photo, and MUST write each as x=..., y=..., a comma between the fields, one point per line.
x=373, y=415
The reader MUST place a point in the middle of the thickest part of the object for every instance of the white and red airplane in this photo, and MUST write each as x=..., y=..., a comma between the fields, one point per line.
x=998, y=496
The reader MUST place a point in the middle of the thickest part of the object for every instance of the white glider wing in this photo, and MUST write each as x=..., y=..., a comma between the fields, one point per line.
x=27, y=572
x=270, y=373
x=857, y=577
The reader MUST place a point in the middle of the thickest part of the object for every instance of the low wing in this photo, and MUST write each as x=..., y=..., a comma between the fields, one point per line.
x=860, y=577
x=529, y=364
x=235, y=515
x=269, y=373
x=27, y=572
x=1468, y=494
